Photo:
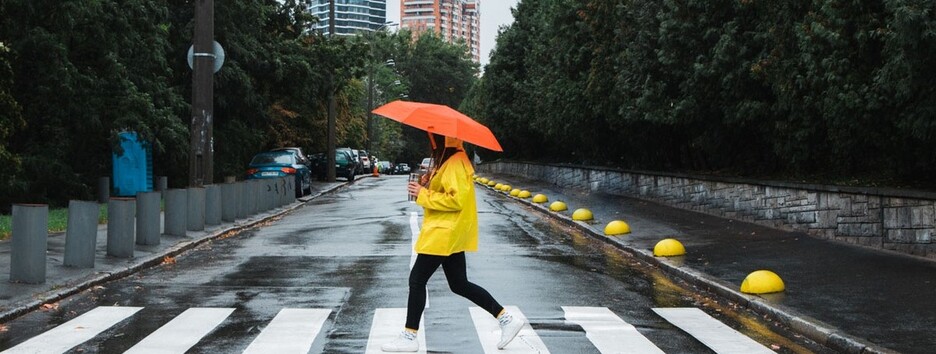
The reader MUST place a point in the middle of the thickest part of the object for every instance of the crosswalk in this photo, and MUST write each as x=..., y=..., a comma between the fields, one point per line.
x=294, y=330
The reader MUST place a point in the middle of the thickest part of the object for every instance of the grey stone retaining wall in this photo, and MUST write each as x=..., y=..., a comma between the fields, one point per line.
x=891, y=219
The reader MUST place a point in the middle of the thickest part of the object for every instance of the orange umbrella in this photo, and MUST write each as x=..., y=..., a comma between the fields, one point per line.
x=440, y=119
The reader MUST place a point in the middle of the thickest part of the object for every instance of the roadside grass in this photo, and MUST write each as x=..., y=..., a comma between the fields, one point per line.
x=58, y=221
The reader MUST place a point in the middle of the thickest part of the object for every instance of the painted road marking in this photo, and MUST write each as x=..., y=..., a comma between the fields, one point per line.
x=183, y=332
x=608, y=332
x=527, y=341
x=72, y=333
x=387, y=325
x=711, y=332
x=295, y=330
x=291, y=331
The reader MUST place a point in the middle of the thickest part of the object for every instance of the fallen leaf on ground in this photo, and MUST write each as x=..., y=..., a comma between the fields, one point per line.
x=49, y=307
x=168, y=260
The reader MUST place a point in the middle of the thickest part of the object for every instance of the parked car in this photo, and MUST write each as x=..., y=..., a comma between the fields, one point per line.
x=424, y=165
x=303, y=159
x=384, y=167
x=274, y=164
x=401, y=168
x=344, y=165
x=366, y=161
x=356, y=158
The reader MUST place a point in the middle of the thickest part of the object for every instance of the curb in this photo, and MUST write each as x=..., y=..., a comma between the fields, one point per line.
x=811, y=328
x=151, y=261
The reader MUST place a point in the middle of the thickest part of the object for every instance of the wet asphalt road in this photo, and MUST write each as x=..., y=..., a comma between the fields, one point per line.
x=350, y=252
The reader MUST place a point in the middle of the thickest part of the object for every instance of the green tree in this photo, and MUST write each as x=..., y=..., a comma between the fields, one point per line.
x=10, y=121
x=84, y=72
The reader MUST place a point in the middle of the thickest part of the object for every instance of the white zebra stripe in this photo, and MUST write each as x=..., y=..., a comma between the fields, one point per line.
x=72, y=333
x=291, y=331
x=608, y=332
x=527, y=341
x=183, y=332
x=387, y=325
x=711, y=332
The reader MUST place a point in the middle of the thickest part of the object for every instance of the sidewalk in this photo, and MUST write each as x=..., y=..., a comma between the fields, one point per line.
x=850, y=299
x=17, y=298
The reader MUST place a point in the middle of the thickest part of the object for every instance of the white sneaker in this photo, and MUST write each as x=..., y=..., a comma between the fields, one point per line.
x=510, y=326
x=406, y=342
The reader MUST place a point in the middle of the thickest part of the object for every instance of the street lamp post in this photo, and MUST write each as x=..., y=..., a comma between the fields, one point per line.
x=332, y=138
x=370, y=89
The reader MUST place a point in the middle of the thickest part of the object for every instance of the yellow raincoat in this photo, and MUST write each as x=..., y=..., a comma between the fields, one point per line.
x=450, y=221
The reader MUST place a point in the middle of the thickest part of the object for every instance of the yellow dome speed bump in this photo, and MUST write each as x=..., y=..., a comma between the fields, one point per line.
x=498, y=186
x=762, y=282
x=483, y=180
x=582, y=214
x=524, y=194
x=492, y=183
x=506, y=188
x=540, y=198
x=515, y=192
x=668, y=248
x=558, y=206
x=617, y=227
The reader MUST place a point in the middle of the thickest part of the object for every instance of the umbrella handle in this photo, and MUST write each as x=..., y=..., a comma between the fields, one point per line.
x=431, y=141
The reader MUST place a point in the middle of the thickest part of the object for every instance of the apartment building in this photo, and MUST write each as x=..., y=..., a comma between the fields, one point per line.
x=351, y=16
x=450, y=19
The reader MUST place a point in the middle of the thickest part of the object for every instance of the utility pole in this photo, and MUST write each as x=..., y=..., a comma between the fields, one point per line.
x=201, y=149
x=370, y=104
x=332, y=139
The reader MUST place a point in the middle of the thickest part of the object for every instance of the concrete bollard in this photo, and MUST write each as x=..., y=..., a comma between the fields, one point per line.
x=269, y=197
x=120, y=227
x=212, y=204
x=280, y=190
x=103, y=189
x=229, y=204
x=258, y=196
x=162, y=183
x=252, y=189
x=289, y=191
x=264, y=196
x=29, y=243
x=81, y=233
x=291, y=196
x=242, y=208
x=176, y=212
x=196, y=209
x=147, y=218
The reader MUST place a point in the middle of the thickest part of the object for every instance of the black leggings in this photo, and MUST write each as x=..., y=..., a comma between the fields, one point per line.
x=454, y=267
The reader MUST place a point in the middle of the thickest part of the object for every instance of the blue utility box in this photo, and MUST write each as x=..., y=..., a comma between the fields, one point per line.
x=133, y=169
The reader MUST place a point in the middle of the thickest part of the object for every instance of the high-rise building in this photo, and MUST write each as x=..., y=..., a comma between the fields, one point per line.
x=450, y=19
x=351, y=16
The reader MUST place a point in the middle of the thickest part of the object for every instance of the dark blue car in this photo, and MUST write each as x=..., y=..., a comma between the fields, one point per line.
x=276, y=164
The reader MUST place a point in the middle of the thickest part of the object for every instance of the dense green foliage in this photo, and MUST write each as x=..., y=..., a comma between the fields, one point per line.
x=821, y=88
x=75, y=73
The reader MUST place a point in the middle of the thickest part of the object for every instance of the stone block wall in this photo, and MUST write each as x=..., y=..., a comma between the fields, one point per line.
x=891, y=219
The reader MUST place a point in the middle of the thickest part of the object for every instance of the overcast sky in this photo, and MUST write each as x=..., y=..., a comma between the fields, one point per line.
x=494, y=13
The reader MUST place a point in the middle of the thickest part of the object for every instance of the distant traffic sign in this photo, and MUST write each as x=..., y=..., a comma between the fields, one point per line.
x=218, y=56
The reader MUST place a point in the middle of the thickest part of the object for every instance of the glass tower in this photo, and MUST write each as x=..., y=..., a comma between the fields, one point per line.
x=351, y=16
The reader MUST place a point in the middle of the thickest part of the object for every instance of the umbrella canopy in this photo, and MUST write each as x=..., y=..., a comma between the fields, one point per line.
x=440, y=119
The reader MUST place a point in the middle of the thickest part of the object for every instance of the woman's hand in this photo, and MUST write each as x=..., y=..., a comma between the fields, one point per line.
x=413, y=189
